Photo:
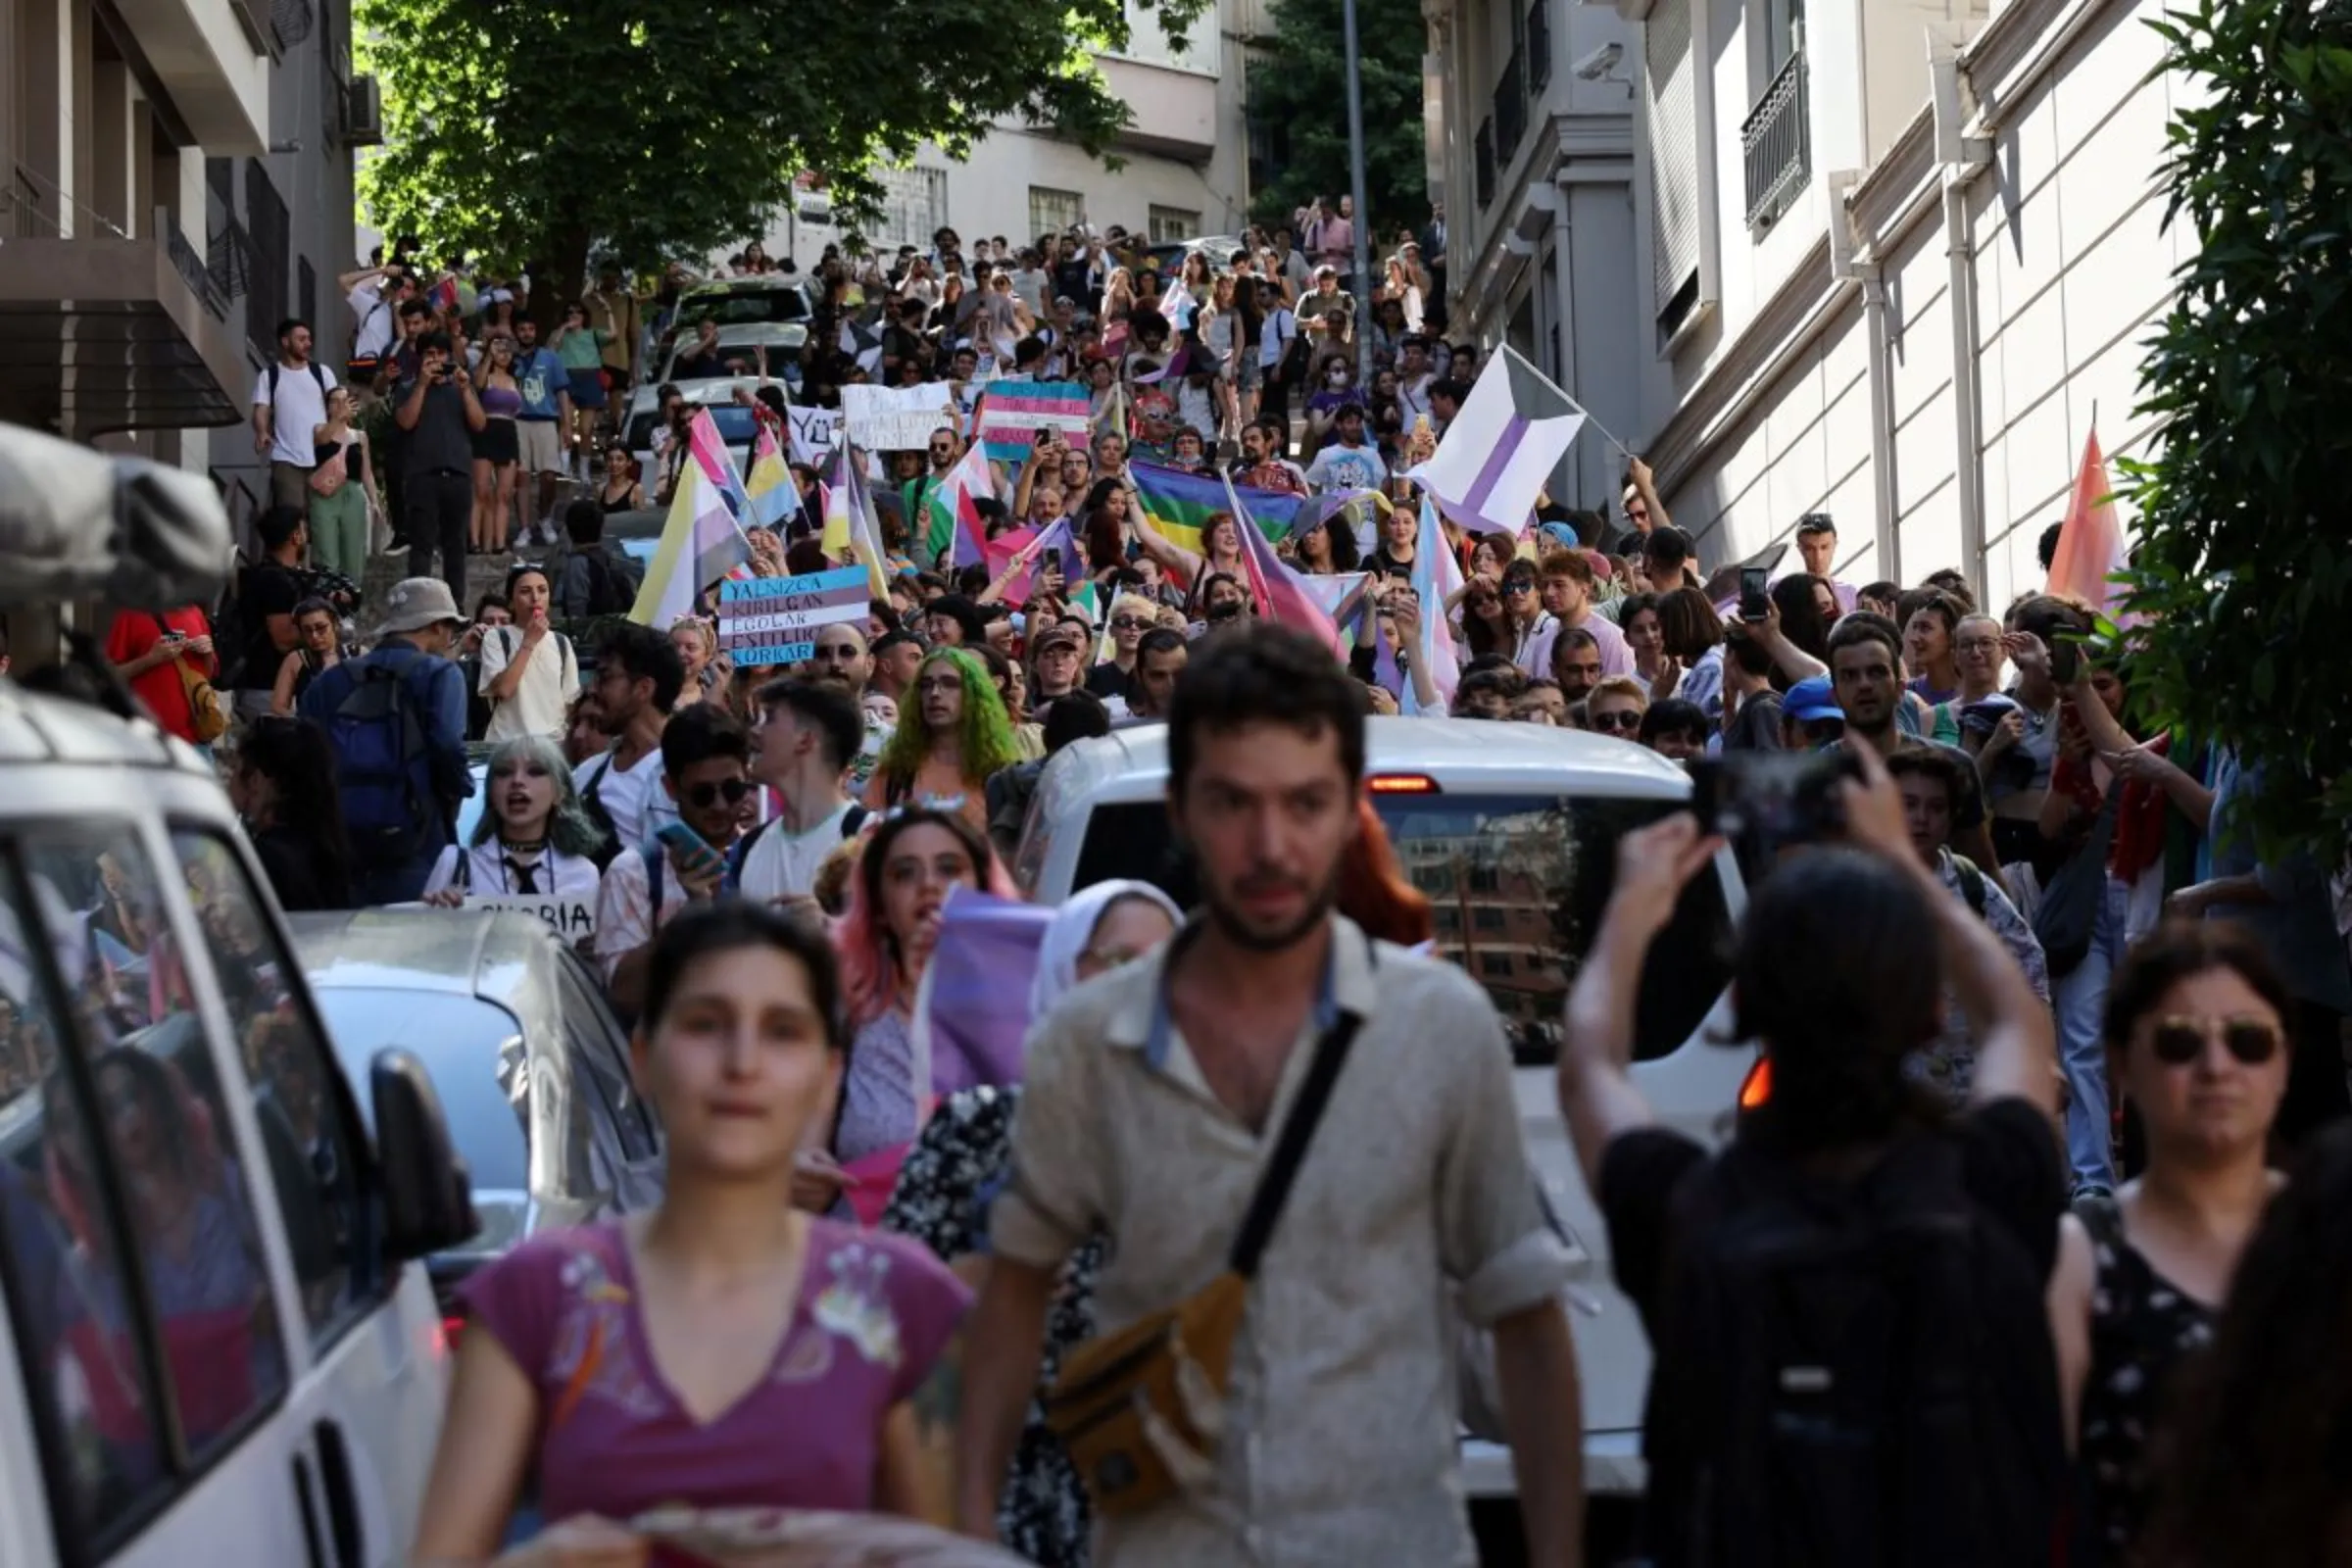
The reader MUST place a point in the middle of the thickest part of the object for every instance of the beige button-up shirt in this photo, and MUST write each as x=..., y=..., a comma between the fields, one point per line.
x=1341, y=1430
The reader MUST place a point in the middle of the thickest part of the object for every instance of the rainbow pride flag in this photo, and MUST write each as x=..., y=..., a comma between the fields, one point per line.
x=1176, y=504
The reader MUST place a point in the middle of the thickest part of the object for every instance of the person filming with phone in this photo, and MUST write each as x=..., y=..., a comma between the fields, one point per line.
x=438, y=415
x=706, y=769
x=1854, y=1365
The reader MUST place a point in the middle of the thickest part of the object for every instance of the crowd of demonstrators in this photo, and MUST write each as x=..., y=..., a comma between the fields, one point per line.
x=2042, y=961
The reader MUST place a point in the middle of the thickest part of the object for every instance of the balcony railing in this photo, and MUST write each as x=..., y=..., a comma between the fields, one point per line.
x=1485, y=169
x=191, y=267
x=1777, y=141
x=1510, y=110
x=1539, y=47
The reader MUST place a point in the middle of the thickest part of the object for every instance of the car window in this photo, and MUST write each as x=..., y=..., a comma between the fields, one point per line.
x=90, y=1389
x=310, y=1127
x=457, y=1038
x=600, y=1055
x=736, y=306
x=132, y=1162
x=1516, y=885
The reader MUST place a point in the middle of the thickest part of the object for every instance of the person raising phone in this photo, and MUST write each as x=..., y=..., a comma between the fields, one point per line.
x=705, y=763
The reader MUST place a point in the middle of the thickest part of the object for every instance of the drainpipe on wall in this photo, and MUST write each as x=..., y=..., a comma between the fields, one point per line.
x=1963, y=158
x=1846, y=263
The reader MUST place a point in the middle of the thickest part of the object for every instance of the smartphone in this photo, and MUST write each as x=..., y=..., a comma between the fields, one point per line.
x=687, y=847
x=1755, y=602
x=2066, y=662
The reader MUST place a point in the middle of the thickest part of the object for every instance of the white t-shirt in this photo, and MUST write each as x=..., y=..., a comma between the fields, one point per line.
x=374, y=311
x=573, y=876
x=550, y=681
x=625, y=917
x=782, y=864
x=632, y=798
x=296, y=411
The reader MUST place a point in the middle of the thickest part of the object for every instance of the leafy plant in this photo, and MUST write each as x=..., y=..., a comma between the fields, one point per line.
x=1298, y=89
x=2243, y=566
x=522, y=130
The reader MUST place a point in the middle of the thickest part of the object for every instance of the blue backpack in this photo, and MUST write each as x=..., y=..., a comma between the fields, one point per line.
x=380, y=748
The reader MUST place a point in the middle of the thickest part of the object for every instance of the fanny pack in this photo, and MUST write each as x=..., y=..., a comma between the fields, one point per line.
x=1115, y=1386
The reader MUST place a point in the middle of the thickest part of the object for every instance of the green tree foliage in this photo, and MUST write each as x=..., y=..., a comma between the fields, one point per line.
x=2244, y=562
x=1300, y=89
x=517, y=129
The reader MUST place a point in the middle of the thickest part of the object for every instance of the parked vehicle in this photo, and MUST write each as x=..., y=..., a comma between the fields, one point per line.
x=1511, y=831
x=216, y=1330
x=531, y=1068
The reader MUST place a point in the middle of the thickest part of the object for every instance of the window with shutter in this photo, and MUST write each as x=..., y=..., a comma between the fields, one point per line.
x=1670, y=77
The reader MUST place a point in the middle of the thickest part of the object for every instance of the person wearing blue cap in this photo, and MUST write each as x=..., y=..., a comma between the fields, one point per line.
x=1810, y=717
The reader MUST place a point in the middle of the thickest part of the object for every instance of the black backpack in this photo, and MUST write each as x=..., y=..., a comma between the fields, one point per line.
x=592, y=801
x=1850, y=1373
x=608, y=595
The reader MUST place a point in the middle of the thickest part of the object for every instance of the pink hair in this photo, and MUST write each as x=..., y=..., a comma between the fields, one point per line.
x=869, y=960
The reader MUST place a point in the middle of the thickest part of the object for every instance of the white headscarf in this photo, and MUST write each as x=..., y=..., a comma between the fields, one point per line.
x=1073, y=928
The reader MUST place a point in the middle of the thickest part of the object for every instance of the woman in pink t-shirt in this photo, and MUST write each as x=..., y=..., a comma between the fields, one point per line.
x=725, y=1351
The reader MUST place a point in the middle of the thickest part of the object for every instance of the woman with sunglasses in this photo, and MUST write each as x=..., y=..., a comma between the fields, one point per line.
x=535, y=836
x=966, y=1153
x=1615, y=708
x=2195, y=1042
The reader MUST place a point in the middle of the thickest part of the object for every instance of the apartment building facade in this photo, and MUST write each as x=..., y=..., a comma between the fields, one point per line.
x=1898, y=258
x=1530, y=117
x=1185, y=167
x=178, y=177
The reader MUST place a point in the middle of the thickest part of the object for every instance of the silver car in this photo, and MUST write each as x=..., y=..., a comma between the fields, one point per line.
x=532, y=1067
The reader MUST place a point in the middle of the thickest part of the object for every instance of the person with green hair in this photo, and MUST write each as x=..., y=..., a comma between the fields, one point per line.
x=950, y=741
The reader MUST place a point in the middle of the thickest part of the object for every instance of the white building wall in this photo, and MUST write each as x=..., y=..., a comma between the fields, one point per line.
x=1767, y=413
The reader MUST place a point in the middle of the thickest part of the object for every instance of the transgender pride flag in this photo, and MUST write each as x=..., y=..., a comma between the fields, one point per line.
x=1437, y=578
x=1013, y=412
x=1281, y=593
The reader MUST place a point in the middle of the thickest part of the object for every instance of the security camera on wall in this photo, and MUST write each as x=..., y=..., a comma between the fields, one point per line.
x=1596, y=65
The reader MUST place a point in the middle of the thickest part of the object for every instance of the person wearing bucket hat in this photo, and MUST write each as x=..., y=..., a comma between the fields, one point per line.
x=396, y=717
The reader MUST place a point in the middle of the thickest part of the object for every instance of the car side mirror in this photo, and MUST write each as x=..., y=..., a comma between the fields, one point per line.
x=428, y=1193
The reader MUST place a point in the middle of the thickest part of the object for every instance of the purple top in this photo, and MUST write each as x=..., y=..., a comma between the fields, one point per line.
x=500, y=402
x=874, y=1313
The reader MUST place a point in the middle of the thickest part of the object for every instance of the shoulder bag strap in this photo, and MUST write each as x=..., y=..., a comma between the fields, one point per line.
x=1290, y=1144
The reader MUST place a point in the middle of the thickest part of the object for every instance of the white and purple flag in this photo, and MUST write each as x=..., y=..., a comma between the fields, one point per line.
x=1499, y=451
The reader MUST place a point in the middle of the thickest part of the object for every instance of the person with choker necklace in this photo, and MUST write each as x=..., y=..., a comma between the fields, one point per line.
x=535, y=838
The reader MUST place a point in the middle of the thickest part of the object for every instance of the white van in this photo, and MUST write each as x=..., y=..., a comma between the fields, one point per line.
x=1511, y=830
x=216, y=1346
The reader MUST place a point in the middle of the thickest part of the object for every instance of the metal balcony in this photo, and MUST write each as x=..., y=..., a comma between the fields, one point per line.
x=1776, y=142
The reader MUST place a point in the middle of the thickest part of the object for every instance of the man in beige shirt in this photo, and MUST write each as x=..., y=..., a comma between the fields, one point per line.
x=1150, y=1100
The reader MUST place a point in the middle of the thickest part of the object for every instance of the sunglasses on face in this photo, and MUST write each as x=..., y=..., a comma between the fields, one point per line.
x=1624, y=719
x=701, y=796
x=1518, y=590
x=1128, y=623
x=2178, y=1042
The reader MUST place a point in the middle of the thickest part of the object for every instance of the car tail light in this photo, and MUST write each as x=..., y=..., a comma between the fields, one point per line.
x=1403, y=784
x=1756, y=1088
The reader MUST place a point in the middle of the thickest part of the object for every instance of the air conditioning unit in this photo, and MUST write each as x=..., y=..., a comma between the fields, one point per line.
x=364, y=113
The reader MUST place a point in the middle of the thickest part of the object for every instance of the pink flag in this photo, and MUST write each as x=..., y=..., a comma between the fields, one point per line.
x=718, y=463
x=1279, y=593
x=2091, y=546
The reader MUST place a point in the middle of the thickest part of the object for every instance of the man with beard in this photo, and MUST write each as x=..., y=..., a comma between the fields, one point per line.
x=841, y=661
x=1152, y=1096
x=1866, y=673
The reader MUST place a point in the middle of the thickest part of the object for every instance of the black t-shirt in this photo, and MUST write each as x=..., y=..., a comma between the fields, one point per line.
x=1756, y=727
x=301, y=878
x=263, y=590
x=2009, y=1163
x=1107, y=680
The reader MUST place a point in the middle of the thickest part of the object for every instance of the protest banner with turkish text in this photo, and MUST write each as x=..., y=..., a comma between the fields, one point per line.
x=774, y=620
